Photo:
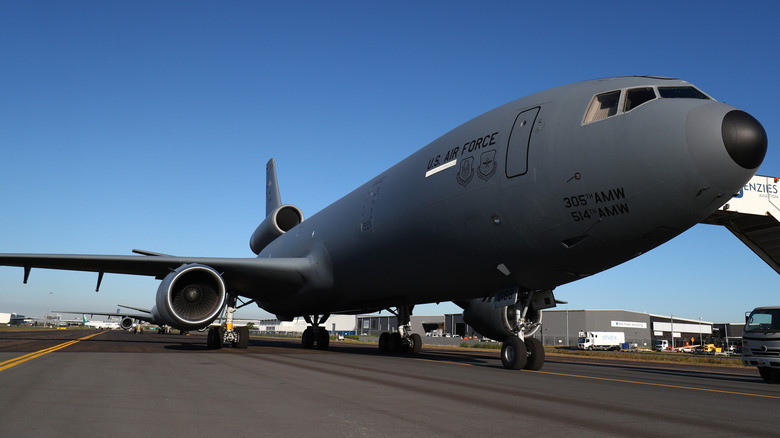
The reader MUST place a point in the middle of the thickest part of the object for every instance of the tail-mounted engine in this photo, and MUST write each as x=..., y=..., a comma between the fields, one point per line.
x=190, y=298
x=500, y=316
x=279, y=221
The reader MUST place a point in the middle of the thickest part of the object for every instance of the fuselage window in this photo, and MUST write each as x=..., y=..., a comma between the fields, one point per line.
x=638, y=96
x=681, y=93
x=603, y=106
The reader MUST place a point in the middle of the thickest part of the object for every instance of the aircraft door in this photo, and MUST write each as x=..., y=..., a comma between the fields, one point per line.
x=519, y=141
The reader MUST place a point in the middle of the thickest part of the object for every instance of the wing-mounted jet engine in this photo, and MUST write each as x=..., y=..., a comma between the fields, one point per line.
x=127, y=323
x=190, y=297
x=513, y=317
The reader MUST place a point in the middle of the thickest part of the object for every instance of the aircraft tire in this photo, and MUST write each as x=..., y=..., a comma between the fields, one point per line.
x=513, y=353
x=535, y=351
x=308, y=338
x=214, y=338
x=384, y=342
x=323, y=339
x=243, y=338
x=769, y=375
x=416, y=341
x=396, y=343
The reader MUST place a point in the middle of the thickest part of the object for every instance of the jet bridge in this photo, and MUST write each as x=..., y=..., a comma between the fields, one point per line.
x=753, y=215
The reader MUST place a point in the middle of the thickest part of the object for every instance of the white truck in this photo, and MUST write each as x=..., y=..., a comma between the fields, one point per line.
x=601, y=340
x=761, y=342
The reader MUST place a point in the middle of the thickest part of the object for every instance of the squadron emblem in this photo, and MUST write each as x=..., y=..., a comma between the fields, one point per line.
x=487, y=165
x=466, y=171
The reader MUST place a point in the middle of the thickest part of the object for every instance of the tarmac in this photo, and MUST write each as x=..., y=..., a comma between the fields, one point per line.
x=87, y=383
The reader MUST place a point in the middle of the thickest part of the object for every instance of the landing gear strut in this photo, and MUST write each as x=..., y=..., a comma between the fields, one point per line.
x=226, y=334
x=403, y=340
x=314, y=334
x=519, y=351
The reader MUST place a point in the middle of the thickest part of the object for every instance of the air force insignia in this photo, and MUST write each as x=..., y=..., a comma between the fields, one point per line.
x=466, y=171
x=487, y=165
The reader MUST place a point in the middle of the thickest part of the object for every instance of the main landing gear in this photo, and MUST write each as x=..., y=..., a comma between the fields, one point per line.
x=401, y=341
x=314, y=334
x=521, y=351
x=226, y=334
x=519, y=354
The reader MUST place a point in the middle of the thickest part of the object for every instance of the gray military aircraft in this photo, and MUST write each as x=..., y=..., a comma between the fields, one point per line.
x=493, y=215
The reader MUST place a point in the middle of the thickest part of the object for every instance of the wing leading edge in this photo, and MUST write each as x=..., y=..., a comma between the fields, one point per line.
x=244, y=276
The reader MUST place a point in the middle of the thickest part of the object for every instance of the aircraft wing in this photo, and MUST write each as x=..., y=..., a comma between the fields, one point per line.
x=245, y=276
x=139, y=316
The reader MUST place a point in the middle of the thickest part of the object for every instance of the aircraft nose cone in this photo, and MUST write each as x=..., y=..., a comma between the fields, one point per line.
x=744, y=138
x=727, y=145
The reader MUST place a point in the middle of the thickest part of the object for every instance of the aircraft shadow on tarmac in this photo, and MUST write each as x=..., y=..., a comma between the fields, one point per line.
x=475, y=358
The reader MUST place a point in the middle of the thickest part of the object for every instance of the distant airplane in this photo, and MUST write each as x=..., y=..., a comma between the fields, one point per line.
x=127, y=321
x=111, y=325
x=493, y=215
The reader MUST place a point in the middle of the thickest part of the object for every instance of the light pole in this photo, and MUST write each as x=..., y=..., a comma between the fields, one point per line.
x=671, y=334
x=48, y=311
x=701, y=344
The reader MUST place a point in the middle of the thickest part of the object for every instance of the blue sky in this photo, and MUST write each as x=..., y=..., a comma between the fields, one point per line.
x=148, y=124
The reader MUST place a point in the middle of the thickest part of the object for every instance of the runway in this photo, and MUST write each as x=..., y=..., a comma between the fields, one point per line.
x=148, y=384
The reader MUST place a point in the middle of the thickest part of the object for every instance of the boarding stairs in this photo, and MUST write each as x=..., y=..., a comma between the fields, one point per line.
x=753, y=215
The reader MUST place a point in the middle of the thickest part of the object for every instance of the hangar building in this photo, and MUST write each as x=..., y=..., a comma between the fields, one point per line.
x=562, y=327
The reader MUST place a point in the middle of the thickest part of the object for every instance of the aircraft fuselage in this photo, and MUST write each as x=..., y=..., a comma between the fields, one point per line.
x=539, y=192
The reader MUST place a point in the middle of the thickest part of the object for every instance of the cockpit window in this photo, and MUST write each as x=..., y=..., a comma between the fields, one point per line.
x=603, y=106
x=638, y=96
x=681, y=93
x=608, y=104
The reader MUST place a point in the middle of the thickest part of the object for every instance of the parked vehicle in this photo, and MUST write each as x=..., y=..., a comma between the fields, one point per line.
x=711, y=348
x=661, y=345
x=601, y=340
x=761, y=342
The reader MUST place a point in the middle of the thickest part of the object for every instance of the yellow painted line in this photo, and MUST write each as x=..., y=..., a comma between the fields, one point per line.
x=663, y=385
x=18, y=360
x=635, y=382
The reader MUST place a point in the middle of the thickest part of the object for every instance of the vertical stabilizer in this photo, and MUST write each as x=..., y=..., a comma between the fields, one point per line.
x=272, y=198
x=279, y=218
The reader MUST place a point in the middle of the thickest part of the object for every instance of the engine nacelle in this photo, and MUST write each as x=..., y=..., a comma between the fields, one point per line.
x=280, y=221
x=499, y=322
x=126, y=323
x=189, y=298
